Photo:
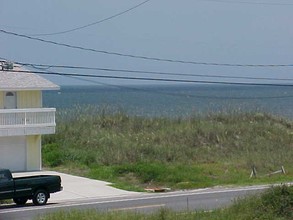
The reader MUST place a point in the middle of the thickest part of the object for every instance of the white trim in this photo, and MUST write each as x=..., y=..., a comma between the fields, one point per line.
x=28, y=88
x=32, y=121
x=27, y=110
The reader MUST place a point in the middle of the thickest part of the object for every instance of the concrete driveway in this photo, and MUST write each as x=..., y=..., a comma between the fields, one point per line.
x=79, y=188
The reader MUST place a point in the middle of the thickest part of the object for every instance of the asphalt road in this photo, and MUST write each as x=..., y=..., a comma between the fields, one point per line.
x=204, y=199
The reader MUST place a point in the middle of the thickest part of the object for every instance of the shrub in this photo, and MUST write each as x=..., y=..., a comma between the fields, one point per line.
x=52, y=155
x=279, y=200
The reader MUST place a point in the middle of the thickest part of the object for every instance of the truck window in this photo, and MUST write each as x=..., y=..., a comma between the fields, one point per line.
x=3, y=177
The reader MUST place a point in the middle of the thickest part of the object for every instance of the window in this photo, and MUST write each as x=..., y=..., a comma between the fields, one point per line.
x=10, y=100
x=9, y=94
x=3, y=177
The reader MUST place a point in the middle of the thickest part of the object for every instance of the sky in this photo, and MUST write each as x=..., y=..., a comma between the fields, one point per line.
x=211, y=31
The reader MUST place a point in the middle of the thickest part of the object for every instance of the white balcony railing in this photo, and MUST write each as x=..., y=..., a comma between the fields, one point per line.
x=27, y=121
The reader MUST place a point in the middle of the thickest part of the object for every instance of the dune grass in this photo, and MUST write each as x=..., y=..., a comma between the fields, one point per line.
x=192, y=152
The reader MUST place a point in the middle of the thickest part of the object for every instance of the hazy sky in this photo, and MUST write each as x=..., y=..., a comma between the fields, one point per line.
x=236, y=31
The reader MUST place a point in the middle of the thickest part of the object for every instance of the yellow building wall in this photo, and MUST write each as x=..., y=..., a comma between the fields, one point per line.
x=25, y=99
x=33, y=152
x=1, y=100
x=29, y=99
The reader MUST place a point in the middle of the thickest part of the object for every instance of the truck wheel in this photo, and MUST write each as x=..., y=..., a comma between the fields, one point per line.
x=40, y=197
x=20, y=201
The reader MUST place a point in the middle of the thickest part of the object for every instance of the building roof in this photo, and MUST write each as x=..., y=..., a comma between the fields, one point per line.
x=12, y=80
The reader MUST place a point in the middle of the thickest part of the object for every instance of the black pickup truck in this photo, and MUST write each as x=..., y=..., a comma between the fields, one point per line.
x=21, y=189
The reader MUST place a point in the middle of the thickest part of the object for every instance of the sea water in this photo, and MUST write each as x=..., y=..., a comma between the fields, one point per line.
x=175, y=100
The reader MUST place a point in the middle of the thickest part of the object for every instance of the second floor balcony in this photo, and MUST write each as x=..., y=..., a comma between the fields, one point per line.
x=31, y=121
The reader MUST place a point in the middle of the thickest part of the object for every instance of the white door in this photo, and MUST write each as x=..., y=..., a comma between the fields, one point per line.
x=10, y=100
x=13, y=153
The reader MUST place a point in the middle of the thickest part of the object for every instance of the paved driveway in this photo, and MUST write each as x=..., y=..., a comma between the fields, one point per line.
x=79, y=188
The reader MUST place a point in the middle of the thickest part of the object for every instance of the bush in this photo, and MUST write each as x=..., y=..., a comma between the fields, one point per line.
x=52, y=155
x=279, y=200
x=275, y=203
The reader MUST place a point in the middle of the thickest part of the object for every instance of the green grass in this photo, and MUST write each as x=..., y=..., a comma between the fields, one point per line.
x=192, y=152
x=275, y=203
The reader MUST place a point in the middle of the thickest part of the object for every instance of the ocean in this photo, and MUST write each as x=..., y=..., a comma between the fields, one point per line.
x=174, y=100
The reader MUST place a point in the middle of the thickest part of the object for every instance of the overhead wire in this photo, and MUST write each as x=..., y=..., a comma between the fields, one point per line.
x=152, y=79
x=138, y=56
x=175, y=94
x=78, y=77
x=182, y=95
x=247, y=2
x=131, y=88
x=93, y=23
x=48, y=66
x=140, y=4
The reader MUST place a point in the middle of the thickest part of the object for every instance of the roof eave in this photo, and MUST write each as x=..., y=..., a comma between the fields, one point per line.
x=30, y=88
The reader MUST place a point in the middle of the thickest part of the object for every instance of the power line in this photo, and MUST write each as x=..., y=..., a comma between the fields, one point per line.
x=93, y=23
x=167, y=93
x=48, y=66
x=141, y=57
x=247, y=2
x=177, y=94
x=44, y=66
x=153, y=79
x=182, y=94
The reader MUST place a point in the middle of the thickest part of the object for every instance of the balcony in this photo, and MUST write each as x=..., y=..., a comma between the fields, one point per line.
x=33, y=121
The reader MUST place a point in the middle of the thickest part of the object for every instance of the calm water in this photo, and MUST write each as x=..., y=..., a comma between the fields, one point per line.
x=173, y=101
